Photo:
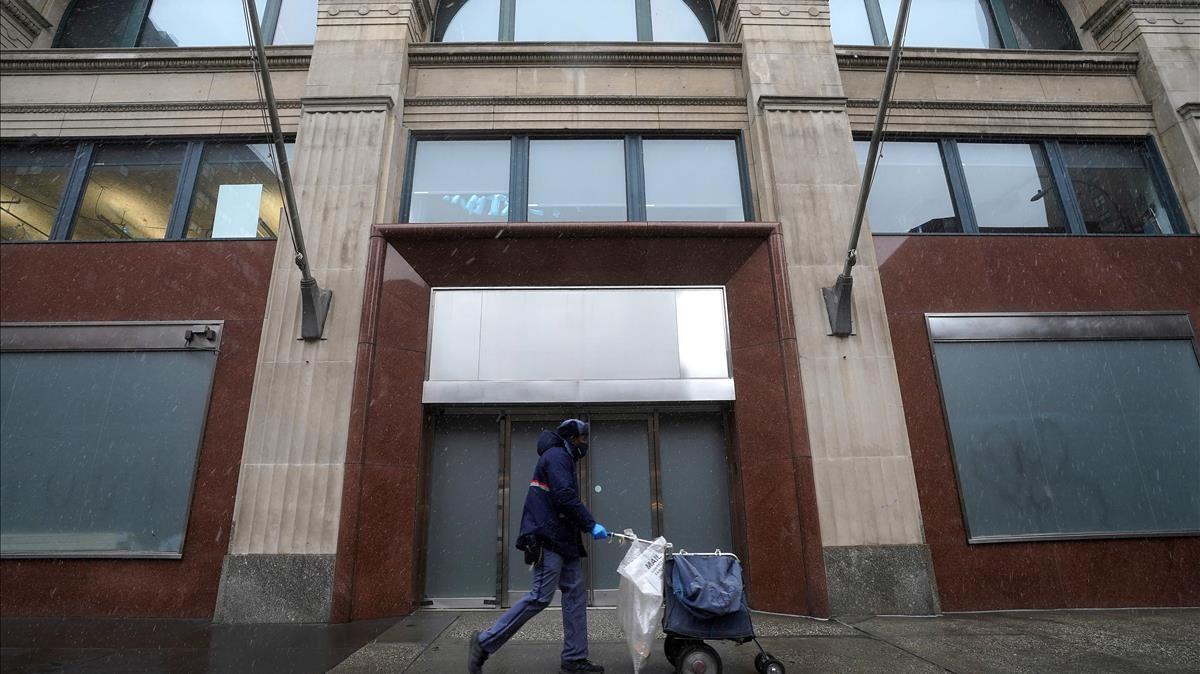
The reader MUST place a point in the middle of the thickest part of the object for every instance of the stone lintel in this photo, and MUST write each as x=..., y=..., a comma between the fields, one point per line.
x=991, y=61
x=616, y=54
x=881, y=580
x=142, y=60
x=802, y=103
x=328, y=104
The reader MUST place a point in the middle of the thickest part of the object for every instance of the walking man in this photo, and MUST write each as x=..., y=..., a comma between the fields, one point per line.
x=551, y=525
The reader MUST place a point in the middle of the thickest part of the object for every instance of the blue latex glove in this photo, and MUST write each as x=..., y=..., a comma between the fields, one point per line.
x=599, y=531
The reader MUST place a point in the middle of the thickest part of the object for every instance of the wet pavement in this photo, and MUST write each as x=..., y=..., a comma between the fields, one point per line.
x=1141, y=640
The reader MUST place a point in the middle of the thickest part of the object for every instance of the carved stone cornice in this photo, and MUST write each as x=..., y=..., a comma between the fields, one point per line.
x=455, y=101
x=1112, y=11
x=24, y=14
x=133, y=108
x=332, y=104
x=204, y=59
x=1189, y=110
x=802, y=103
x=715, y=55
x=992, y=61
x=1006, y=106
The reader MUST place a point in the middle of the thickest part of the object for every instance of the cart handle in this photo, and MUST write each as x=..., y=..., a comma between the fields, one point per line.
x=631, y=539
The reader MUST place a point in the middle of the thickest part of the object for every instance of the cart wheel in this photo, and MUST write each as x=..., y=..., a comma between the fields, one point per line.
x=760, y=662
x=698, y=658
x=672, y=646
x=765, y=663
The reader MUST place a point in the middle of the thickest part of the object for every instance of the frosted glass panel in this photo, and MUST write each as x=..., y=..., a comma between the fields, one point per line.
x=576, y=21
x=1074, y=437
x=463, y=478
x=460, y=181
x=692, y=180
x=619, y=491
x=98, y=450
x=629, y=335
x=944, y=23
x=576, y=180
x=910, y=193
x=695, y=481
x=456, y=325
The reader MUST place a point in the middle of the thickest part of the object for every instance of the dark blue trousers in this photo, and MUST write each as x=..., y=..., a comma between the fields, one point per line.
x=553, y=572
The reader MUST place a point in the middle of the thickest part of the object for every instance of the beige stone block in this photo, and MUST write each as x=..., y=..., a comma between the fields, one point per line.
x=299, y=413
x=869, y=501
x=987, y=87
x=29, y=90
x=687, y=82
x=815, y=220
x=576, y=82
x=287, y=509
x=25, y=126
x=152, y=87
x=1094, y=89
x=432, y=82
x=871, y=338
x=288, y=86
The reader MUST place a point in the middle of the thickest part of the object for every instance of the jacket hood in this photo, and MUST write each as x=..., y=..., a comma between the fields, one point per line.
x=549, y=439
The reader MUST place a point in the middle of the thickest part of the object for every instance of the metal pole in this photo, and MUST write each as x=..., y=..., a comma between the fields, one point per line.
x=314, y=301
x=839, y=298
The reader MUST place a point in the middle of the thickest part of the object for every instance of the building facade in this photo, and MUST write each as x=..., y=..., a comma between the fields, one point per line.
x=626, y=211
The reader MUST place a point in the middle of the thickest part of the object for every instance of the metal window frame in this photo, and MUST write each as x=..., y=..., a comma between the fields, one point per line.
x=507, y=25
x=997, y=14
x=635, y=171
x=117, y=337
x=181, y=202
x=1000, y=327
x=1060, y=174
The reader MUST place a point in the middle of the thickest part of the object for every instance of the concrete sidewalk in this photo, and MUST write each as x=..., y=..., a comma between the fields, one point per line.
x=1151, y=640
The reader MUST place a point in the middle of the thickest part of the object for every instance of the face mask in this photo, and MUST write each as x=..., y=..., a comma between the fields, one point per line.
x=578, y=450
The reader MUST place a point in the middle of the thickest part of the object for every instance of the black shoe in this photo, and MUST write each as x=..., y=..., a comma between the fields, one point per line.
x=476, y=656
x=583, y=665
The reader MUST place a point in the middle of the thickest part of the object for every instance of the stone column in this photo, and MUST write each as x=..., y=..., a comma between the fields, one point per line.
x=807, y=178
x=1166, y=34
x=347, y=169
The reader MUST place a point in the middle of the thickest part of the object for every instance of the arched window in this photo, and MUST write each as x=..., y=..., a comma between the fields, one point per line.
x=575, y=21
x=105, y=24
x=970, y=24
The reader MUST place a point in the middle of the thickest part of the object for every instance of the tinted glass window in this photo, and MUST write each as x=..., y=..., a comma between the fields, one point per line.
x=1011, y=187
x=910, y=193
x=237, y=193
x=674, y=21
x=460, y=181
x=692, y=180
x=1041, y=24
x=101, y=23
x=297, y=22
x=129, y=192
x=1074, y=437
x=576, y=180
x=1115, y=189
x=945, y=23
x=177, y=23
x=98, y=450
x=848, y=20
x=576, y=20
x=32, y=180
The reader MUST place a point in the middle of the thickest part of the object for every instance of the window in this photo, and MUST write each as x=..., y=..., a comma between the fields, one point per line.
x=32, y=181
x=572, y=180
x=144, y=190
x=969, y=24
x=1038, y=187
x=100, y=24
x=99, y=436
x=1074, y=426
x=575, y=21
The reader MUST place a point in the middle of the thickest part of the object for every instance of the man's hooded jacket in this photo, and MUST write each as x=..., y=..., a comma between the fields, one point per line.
x=553, y=513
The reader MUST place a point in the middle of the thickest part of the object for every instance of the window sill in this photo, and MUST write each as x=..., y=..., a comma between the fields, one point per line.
x=1004, y=61
x=706, y=54
x=148, y=60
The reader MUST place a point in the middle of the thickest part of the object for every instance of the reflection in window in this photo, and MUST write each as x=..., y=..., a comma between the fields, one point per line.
x=1041, y=24
x=129, y=192
x=576, y=180
x=32, y=180
x=1012, y=189
x=460, y=181
x=910, y=193
x=970, y=24
x=574, y=21
x=1074, y=438
x=945, y=23
x=177, y=23
x=237, y=193
x=692, y=180
x=98, y=450
x=1115, y=189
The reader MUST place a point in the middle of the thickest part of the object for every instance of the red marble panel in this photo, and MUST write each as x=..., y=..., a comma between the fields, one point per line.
x=384, y=574
x=750, y=297
x=403, y=301
x=773, y=536
x=762, y=409
x=395, y=418
x=934, y=274
x=212, y=280
x=343, y=570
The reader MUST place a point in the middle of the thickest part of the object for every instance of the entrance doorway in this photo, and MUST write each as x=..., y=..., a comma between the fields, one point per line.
x=657, y=471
